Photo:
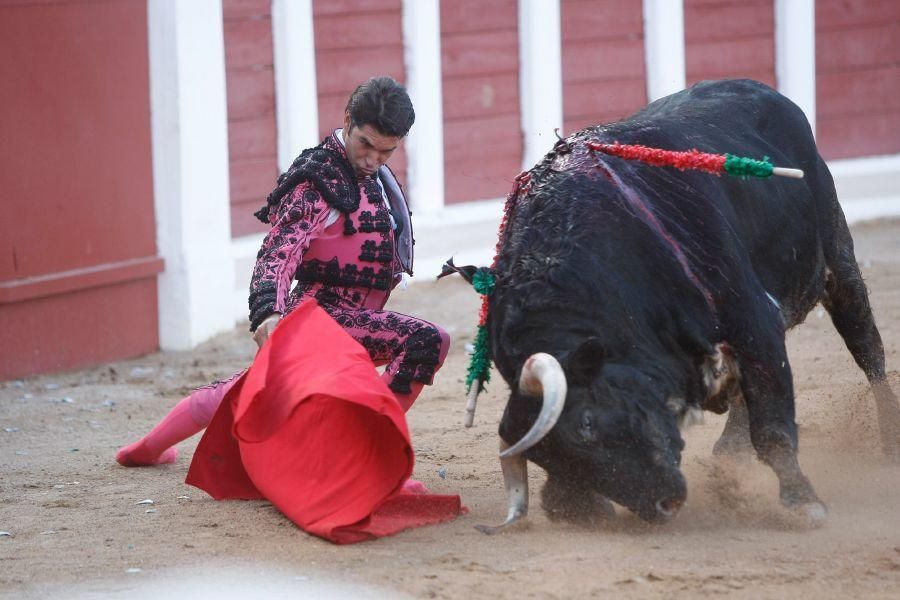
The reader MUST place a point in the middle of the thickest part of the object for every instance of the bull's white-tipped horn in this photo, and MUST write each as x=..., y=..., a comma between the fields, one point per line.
x=541, y=375
x=471, y=402
x=515, y=479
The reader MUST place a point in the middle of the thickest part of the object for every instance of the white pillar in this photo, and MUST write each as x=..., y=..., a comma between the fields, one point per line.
x=540, y=77
x=425, y=144
x=190, y=169
x=296, y=99
x=795, y=53
x=664, y=47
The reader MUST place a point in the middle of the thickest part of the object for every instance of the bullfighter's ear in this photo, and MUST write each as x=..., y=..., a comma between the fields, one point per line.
x=585, y=361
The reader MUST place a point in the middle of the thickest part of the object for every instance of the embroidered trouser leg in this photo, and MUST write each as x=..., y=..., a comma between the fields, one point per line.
x=413, y=349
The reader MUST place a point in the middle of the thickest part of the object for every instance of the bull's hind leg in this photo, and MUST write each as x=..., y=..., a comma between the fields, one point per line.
x=847, y=301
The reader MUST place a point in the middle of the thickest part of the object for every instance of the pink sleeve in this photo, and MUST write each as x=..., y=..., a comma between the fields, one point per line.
x=301, y=217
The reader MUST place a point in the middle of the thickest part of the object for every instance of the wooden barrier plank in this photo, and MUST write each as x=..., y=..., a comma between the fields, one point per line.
x=853, y=48
x=480, y=53
x=251, y=93
x=859, y=135
x=593, y=20
x=252, y=138
x=248, y=43
x=480, y=95
x=358, y=30
x=602, y=60
x=469, y=16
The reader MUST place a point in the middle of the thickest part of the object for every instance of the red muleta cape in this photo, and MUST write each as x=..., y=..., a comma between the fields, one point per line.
x=312, y=428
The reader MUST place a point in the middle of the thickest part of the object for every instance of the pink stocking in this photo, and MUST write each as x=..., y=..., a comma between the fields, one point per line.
x=157, y=447
x=190, y=416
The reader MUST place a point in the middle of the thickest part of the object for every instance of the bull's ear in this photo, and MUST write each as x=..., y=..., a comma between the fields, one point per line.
x=585, y=361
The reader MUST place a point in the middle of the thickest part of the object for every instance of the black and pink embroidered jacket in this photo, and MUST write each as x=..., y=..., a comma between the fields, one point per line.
x=365, y=249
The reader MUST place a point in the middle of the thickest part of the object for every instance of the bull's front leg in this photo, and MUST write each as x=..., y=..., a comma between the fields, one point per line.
x=767, y=387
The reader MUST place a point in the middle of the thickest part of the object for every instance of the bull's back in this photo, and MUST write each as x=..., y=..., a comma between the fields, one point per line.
x=733, y=109
x=781, y=223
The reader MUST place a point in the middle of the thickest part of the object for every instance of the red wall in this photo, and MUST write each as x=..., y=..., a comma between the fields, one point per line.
x=729, y=39
x=482, y=122
x=250, y=78
x=602, y=61
x=356, y=40
x=857, y=77
x=77, y=241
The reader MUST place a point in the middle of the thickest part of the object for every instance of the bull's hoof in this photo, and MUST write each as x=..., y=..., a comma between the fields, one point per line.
x=814, y=513
x=802, y=501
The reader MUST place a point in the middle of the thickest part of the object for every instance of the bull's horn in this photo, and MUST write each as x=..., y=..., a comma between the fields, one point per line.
x=541, y=375
x=471, y=402
x=515, y=479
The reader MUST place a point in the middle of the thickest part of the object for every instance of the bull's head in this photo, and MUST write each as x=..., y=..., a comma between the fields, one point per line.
x=606, y=429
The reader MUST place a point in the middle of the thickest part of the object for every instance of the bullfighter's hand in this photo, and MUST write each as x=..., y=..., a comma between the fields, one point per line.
x=265, y=328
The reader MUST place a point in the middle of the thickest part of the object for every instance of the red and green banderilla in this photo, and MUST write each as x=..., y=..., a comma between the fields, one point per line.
x=717, y=164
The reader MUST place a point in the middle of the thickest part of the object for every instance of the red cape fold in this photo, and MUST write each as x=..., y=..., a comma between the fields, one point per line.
x=312, y=428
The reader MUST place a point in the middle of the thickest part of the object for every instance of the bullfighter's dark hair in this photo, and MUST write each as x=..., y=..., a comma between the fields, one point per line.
x=384, y=104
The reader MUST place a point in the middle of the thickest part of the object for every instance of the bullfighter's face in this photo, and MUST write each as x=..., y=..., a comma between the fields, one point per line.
x=367, y=149
x=621, y=438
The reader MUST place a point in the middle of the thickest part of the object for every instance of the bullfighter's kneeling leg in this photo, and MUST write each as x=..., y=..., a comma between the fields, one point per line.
x=421, y=356
x=413, y=349
x=190, y=416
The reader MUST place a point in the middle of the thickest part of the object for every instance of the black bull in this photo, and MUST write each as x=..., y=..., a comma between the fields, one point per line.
x=662, y=292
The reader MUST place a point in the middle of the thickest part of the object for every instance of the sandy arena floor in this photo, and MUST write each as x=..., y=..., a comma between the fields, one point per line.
x=78, y=532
